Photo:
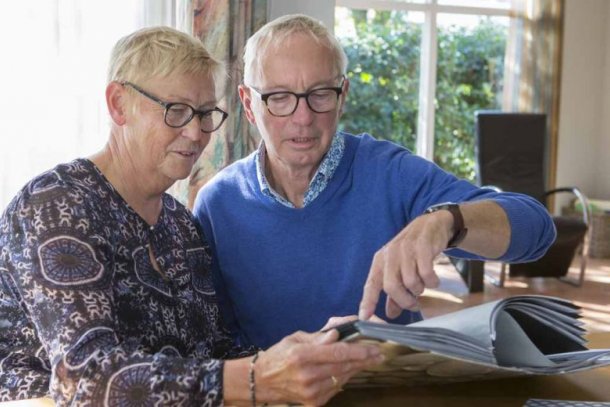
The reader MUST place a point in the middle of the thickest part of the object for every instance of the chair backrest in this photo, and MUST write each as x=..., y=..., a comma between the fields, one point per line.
x=510, y=151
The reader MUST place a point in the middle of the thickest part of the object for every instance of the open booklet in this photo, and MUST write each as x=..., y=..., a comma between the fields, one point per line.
x=519, y=335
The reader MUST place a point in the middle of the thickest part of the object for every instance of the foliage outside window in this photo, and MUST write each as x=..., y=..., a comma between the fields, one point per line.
x=384, y=76
x=383, y=47
x=469, y=78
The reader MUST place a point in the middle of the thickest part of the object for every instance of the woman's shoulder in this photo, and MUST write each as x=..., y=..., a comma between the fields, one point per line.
x=68, y=187
x=79, y=175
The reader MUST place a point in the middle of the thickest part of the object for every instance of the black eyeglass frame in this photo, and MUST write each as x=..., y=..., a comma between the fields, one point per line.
x=265, y=97
x=168, y=105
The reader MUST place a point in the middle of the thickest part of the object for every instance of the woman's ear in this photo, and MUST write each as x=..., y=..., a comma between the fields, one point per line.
x=115, y=101
x=246, y=100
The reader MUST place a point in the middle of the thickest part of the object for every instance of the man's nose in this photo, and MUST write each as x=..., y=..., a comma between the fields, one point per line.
x=303, y=114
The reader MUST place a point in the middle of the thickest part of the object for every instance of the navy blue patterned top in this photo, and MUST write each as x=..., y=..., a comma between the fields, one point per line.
x=84, y=315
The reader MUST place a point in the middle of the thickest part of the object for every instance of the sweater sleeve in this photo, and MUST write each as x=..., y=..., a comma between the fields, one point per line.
x=532, y=228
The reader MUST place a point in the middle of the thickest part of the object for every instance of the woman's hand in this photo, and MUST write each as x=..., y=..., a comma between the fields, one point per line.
x=310, y=368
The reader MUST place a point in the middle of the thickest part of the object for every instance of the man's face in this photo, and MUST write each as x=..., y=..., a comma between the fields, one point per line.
x=299, y=141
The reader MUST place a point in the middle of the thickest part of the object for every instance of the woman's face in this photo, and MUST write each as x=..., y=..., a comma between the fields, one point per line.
x=165, y=154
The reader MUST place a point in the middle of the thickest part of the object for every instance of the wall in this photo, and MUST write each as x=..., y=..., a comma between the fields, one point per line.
x=603, y=153
x=584, y=127
x=321, y=9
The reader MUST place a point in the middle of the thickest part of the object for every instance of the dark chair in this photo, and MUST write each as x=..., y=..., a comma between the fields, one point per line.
x=510, y=150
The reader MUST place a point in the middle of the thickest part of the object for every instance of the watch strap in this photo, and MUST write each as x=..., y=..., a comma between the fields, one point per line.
x=459, y=229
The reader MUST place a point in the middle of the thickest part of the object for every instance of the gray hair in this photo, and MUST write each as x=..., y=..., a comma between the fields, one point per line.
x=276, y=31
x=160, y=52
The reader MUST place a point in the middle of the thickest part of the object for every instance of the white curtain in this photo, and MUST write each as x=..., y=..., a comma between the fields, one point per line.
x=53, y=75
x=533, y=67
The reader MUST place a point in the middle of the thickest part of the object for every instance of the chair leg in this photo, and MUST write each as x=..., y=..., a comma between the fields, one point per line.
x=498, y=282
x=581, y=276
x=475, y=276
x=583, y=267
x=502, y=275
x=471, y=272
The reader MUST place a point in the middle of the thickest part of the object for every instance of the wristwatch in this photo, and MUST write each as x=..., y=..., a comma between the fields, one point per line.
x=459, y=231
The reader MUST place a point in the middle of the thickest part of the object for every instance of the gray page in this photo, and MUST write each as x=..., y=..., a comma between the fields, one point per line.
x=474, y=322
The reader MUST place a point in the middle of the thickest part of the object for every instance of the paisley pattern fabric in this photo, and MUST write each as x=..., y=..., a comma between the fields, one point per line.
x=85, y=316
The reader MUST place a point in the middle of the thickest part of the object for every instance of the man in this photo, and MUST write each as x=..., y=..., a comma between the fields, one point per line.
x=299, y=227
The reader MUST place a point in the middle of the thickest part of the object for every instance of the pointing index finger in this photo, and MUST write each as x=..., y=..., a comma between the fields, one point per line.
x=372, y=289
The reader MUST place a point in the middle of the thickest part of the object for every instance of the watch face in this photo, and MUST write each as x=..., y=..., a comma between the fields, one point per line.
x=438, y=207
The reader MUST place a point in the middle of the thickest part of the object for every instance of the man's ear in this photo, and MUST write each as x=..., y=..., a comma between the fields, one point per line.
x=246, y=101
x=115, y=101
x=344, y=95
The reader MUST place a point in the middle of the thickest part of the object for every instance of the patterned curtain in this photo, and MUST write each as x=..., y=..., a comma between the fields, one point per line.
x=533, y=66
x=223, y=26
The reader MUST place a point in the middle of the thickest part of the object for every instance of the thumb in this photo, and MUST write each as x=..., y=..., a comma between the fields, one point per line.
x=327, y=337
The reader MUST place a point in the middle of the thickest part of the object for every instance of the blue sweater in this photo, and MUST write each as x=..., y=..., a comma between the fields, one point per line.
x=280, y=269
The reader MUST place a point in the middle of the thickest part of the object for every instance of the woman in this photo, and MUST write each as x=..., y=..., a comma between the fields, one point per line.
x=106, y=297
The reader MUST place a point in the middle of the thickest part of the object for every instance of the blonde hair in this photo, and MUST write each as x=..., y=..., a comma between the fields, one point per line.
x=160, y=52
x=277, y=31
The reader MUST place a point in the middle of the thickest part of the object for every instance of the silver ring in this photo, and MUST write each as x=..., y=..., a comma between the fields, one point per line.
x=336, y=385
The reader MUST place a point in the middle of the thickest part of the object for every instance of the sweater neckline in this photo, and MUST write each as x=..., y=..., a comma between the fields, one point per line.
x=342, y=171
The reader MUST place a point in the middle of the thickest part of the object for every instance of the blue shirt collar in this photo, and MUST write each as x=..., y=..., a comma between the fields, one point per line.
x=318, y=183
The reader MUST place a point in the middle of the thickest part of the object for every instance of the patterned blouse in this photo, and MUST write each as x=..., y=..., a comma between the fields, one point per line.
x=84, y=315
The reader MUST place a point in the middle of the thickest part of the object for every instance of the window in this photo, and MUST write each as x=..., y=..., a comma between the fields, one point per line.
x=419, y=70
x=383, y=48
x=53, y=76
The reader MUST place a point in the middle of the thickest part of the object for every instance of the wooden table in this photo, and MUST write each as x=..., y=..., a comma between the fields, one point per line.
x=590, y=385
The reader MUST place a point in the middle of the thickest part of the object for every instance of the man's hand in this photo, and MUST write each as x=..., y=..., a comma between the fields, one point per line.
x=403, y=268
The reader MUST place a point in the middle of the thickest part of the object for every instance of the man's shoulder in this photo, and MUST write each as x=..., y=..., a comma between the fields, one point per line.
x=370, y=150
x=366, y=143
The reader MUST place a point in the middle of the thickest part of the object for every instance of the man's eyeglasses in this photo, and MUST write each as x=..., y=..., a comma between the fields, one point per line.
x=180, y=114
x=284, y=103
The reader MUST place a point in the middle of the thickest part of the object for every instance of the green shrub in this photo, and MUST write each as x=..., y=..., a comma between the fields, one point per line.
x=384, y=76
